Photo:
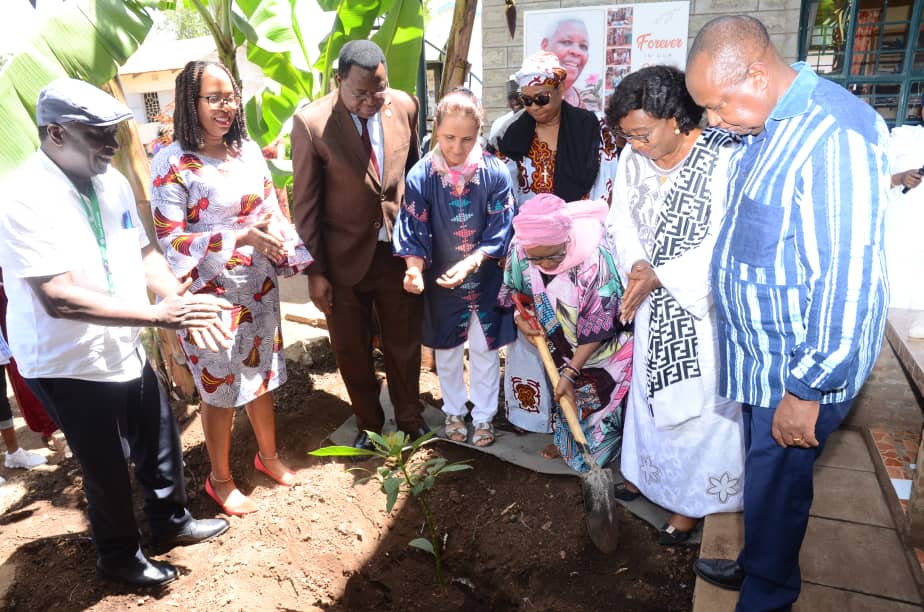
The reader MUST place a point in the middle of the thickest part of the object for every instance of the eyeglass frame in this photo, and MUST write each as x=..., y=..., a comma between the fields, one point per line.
x=367, y=96
x=554, y=257
x=640, y=138
x=220, y=101
x=528, y=101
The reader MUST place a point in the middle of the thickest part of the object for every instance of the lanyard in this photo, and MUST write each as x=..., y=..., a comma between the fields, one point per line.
x=95, y=218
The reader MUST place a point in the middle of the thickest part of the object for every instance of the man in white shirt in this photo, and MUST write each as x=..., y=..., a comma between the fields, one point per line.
x=77, y=265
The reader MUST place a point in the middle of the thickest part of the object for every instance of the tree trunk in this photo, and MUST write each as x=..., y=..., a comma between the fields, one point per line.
x=456, y=66
x=132, y=161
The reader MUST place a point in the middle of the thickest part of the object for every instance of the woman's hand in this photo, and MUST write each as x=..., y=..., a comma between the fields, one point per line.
x=909, y=179
x=456, y=275
x=565, y=388
x=642, y=281
x=523, y=325
x=264, y=237
x=197, y=313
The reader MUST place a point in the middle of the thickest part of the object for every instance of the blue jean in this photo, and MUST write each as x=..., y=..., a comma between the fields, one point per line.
x=777, y=497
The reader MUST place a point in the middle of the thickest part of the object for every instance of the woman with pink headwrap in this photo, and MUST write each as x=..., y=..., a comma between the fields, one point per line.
x=562, y=259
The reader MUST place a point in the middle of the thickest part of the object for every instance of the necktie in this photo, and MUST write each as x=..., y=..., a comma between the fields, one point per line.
x=367, y=142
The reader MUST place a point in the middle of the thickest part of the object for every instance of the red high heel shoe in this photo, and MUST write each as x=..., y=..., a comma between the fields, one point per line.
x=258, y=463
x=210, y=491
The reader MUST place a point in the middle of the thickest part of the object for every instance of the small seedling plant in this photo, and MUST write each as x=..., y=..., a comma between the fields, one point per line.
x=398, y=474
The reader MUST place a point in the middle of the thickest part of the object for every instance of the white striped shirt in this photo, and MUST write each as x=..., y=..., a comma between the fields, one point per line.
x=798, y=269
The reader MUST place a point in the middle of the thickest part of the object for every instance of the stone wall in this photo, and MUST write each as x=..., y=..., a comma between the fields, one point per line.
x=502, y=55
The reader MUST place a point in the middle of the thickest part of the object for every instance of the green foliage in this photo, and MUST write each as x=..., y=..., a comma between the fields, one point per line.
x=399, y=474
x=85, y=39
x=400, y=36
x=184, y=23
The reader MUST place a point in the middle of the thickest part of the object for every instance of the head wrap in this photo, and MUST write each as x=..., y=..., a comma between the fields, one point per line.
x=547, y=220
x=540, y=68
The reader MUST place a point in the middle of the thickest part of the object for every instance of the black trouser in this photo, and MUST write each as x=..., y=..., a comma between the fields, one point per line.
x=106, y=424
x=6, y=411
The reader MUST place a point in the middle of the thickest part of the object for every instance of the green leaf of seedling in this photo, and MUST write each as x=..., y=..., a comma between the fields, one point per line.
x=435, y=464
x=422, y=440
x=391, y=487
x=455, y=467
x=383, y=471
x=423, y=544
x=378, y=440
x=429, y=481
x=417, y=489
x=341, y=451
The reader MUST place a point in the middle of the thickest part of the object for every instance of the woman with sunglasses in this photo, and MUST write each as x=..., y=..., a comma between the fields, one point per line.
x=550, y=147
x=218, y=223
x=561, y=258
x=683, y=447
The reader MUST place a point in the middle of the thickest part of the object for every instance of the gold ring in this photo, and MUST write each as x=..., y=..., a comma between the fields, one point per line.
x=797, y=440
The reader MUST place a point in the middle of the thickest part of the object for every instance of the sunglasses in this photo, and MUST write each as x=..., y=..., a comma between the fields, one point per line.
x=539, y=99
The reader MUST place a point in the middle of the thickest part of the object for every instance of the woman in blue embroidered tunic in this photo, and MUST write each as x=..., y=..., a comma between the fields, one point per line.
x=682, y=445
x=453, y=226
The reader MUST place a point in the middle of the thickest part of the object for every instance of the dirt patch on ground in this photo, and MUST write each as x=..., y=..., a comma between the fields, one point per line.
x=515, y=539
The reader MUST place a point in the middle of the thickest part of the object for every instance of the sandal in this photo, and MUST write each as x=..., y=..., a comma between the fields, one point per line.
x=484, y=435
x=669, y=535
x=454, y=428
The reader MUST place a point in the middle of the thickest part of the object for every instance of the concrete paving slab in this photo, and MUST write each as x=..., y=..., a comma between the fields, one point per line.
x=817, y=598
x=850, y=495
x=723, y=537
x=860, y=558
x=846, y=449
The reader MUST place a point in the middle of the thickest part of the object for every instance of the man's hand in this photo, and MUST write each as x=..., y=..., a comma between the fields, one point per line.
x=642, y=281
x=794, y=422
x=413, y=281
x=320, y=292
x=197, y=313
x=909, y=179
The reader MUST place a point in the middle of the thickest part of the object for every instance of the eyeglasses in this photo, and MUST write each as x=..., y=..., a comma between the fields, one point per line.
x=218, y=100
x=640, y=138
x=555, y=257
x=539, y=99
x=366, y=96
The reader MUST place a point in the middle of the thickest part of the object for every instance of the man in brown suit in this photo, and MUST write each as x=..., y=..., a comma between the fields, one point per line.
x=350, y=151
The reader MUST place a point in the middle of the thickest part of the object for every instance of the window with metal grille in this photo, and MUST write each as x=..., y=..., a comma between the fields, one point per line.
x=151, y=105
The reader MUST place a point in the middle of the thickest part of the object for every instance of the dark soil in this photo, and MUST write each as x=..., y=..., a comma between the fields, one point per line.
x=515, y=540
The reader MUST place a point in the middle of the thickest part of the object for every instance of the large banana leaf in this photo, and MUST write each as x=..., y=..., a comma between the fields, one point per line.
x=400, y=36
x=86, y=39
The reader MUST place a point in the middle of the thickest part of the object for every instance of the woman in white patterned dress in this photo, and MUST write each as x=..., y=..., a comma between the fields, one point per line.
x=682, y=443
x=217, y=221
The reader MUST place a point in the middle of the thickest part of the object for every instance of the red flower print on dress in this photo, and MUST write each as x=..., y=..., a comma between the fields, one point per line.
x=214, y=242
x=240, y=314
x=192, y=215
x=238, y=259
x=164, y=226
x=182, y=243
x=166, y=179
x=253, y=357
x=210, y=383
x=277, y=341
x=265, y=384
x=190, y=162
x=268, y=285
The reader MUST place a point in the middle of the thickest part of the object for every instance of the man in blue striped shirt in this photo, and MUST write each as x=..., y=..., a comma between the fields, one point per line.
x=798, y=277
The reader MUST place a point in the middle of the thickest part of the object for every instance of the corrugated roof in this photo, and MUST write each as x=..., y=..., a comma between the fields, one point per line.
x=161, y=54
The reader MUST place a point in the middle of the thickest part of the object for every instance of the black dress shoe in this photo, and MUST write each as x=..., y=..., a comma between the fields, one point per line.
x=413, y=436
x=669, y=535
x=195, y=531
x=147, y=573
x=362, y=441
x=723, y=573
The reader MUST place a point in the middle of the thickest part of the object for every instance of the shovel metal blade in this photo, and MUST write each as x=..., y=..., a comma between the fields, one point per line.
x=601, y=515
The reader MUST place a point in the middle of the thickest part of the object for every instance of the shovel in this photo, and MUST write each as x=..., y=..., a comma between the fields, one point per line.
x=596, y=484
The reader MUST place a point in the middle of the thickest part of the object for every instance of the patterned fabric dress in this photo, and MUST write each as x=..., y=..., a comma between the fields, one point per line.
x=198, y=204
x=683, y=448
x=528, y=398
x=580, y=306
x=443, y=224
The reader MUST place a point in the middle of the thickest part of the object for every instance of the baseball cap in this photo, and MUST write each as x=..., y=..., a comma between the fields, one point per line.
x=73, y=100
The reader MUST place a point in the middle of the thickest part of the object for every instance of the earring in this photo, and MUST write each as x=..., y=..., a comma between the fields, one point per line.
x=677, y=130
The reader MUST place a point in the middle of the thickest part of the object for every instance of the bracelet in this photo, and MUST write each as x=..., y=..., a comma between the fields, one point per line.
x=568, y=367
x=570, y=364
x=568, y=378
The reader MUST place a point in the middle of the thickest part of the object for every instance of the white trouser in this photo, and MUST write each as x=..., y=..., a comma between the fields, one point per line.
x=484, y=375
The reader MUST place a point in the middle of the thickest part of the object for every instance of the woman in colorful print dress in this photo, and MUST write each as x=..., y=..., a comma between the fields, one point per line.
x=452, y=228
x=217, y=221
x=562, y=257
x=550, y=147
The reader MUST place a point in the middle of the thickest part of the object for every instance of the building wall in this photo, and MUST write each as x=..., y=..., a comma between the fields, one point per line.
x=503, y=56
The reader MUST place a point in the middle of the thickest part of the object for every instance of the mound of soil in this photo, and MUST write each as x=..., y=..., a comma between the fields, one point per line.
x=514, y=540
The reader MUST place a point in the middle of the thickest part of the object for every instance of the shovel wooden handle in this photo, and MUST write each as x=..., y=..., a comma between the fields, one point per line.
x=567, y=406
